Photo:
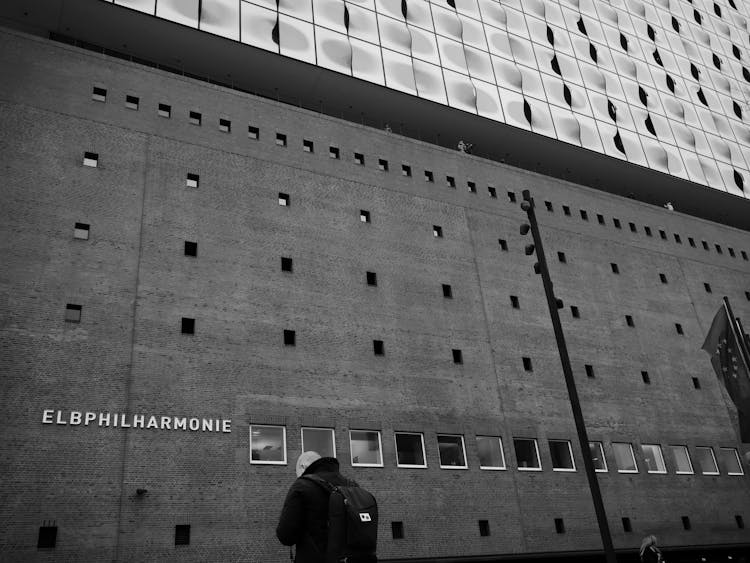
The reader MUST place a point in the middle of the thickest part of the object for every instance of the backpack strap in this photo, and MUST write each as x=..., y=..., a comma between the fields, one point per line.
x=329, y=487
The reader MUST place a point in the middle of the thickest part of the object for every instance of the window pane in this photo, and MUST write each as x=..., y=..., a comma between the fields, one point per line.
x=365, y=448
x=706, y=461
x=527, y=454
x=267, y=444
x=654, y=458
x=562, y=458
x=624, y=458
x=490, y=452
x=451, y=451
x=681, y=459
x=597, y=456
x=318, y=440
x=730, y=461
x=410, y=450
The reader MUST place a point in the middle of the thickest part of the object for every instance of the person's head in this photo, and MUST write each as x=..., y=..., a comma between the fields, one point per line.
x=305, y=460
x=648, y=541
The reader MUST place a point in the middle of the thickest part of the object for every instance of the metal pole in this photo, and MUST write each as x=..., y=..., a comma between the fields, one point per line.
x=601, y=516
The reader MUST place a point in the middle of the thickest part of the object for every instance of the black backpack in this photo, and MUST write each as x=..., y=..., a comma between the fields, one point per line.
x=352, y=523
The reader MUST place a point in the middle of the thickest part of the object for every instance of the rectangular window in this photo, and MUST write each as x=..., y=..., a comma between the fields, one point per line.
x=626, y=525
x=410, y=450
x=382, y=164
x=681, y=460
x=678, y=328
x=662, y=234
x=706, y=460
x=731, y=251
x=359, y=158
x=451, y=451
x=600, y=218
x=744, y=255
x=512, y=197
x=514, y=302
x=187, y=325
x=617, y=223
x=596, y=451
x=182, y=534
x=624, y=458
x=484, y=528
x=372, y=278
x=527, y=454
x=561, y=257
x=193, y=180
x=72, y=313
x=47, y=537
x=584, y=215
x=451, y=181
x=286, y=264
x=472, y=187
x=132, y=102
x=225, y=126
x=707, y=287
x=633, y=228
x=647, y=230
x=740, y=522
x=527, y=364
x=364, y=216
x=91, y=159
x=566, y=210
x=654, y=458
x=334, y=152
x=615, y=268
x=629, y=320
x=280, y=139
x=319, y=440
x=99, y=94
x=705, y=245
x=458, y=357
x=447, y=291
x=164, y=110
x=284, y=199
x=267, y=444
x=378, y=347
x=366, y=448
x=729, y=462
x=503, y=244
x=253, y=132
x=429, y=176
x=290, y=338
x=191, y=248
x=686, y=522
x=437, y=231
x=308, y=146
x=559, y=526
x=406, y=170
x=677, y=238
x=492, y=192
x=575, y=312
x=81, y=231
x=691, y=241
x=562, y=455
x=548, y=205
x=663, y=278
x=718, y=248
x=195, y=118
x=490, y=450
x=397, y=530
x=696, y=383
x=589, y=371
x=646, y=378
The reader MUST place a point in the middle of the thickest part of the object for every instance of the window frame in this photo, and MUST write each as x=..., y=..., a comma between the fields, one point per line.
x=283, y=445
x=687, y=456
x=536, y=449
x=380, y=449
x=407, y=465
x=737, y=457
x=333, y=438
x=632, y=456
x=603, y=457
x=661, y=455
x=463, y=451
x=570, y=451
x=499, y=439
x=713, y=457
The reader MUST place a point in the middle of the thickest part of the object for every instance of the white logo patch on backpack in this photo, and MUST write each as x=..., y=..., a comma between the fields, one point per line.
x=365, y=517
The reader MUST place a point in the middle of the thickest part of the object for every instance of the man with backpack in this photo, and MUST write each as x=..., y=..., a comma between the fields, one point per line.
x=329, y=518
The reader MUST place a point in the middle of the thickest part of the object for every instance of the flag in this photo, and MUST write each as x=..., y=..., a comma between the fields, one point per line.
x=725, y=348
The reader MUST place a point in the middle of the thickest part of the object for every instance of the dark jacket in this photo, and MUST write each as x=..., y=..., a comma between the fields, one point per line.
x=651, y=554
x=304, y=518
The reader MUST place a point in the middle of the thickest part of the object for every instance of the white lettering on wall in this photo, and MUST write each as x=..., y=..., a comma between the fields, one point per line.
x=141, y=421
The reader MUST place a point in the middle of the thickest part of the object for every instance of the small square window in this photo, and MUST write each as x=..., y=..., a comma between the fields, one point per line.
x=290, y=338
x=731, y=251
x=437, y=231
x=195, y=118
x=47, y=537
x=492, y=192
x=182, y=534
x=527, y=454
x=629, y=320
x=562, y=455
x=646, y=377
x=132, y=102
x=365, y=448
x=378, y=348
x=633, y=228
x=99, y=94
x=253, y=132
x=308, y=146
x=91, y=159
x=406, y=170
x=383, y=164
x=280, y=139
x=364, y=216
x=225, y=125
x=447, y=291
x=410, y=450
x=691, y=241
x=267, y=444
x=284, y=199
x=490, y=451
x=596, y=451
x=458, y=357
x=164, y=110
x=590, y=371
x=678, y=328
x=359, y=158
x=575, y=312
x=286, y=264
x=686, y=522
x=559, y=526
x=626, y=525
x=72, y=313
x=428, y=176
x=334, y=152
x=193, y=180
x=321, y=440
x=696, y=383
x=81, y=231
x=677, y=238
x=527, y=364
x=561, y=257
x=663, y=278
x=584, y=215
x=472, y=187
x=372, y=278
x=624, y=458
x=566, y=210
x=707, y=287
x=512, y=197
x=617, y=223
x=615, y=268
x=451, y=451
x=188, y=325
x=647, y=230
x=451, y=181
x=514, y=302
x=705, y=245
x=548, y=205
x=191, y=248
x=484, y=528
x=663, y=234
x=600, y=218
x=718, y=249
x=503, y=244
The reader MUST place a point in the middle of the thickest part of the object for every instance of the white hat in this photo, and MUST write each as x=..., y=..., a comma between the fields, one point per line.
x=305, y=460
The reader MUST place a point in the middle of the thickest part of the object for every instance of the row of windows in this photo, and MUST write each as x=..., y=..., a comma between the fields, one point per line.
x=268, y=446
